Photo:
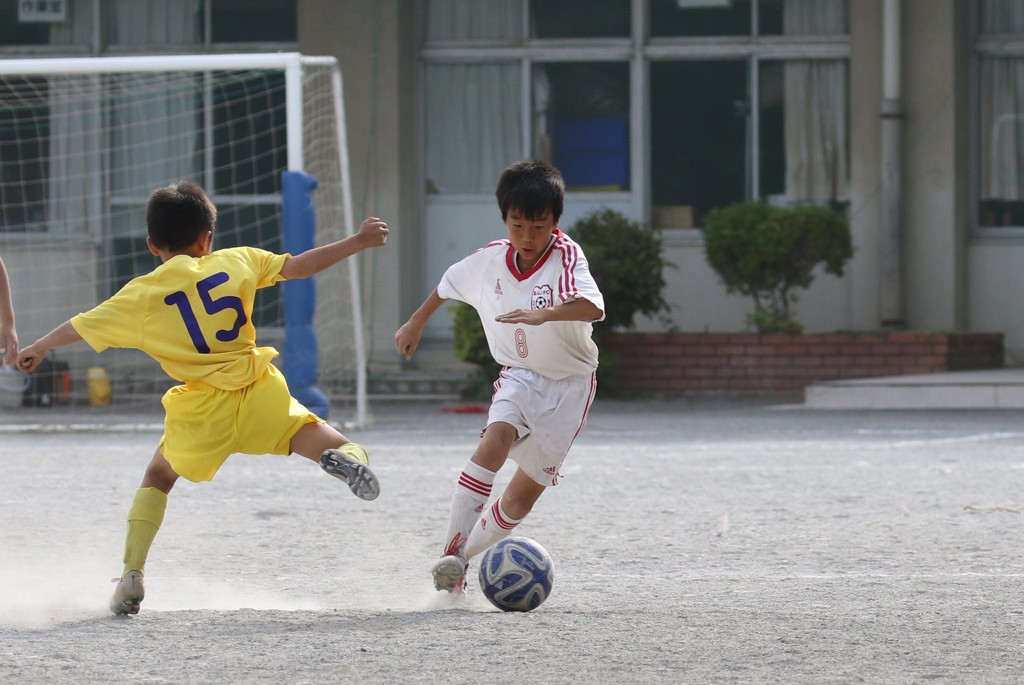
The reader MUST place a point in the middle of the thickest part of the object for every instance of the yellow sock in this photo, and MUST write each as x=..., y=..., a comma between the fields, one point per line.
x=144, y=519
x=356, y=451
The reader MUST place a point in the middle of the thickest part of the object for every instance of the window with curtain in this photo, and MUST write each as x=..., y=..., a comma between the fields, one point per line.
x=54, y=176
x=581, y=122
x=24, y=166
x=251, y=21
x=700, y=18
x=480, y=116
x=746, y=98
x=13, y=32
x=815, y=108
x=472, y=109
x=752, y=123
x=77, y=147
x=579, y=19
x=699, y=138
x=462, y=21
x=474, y=126
x=29, y=140
x=736, y=17
x=1000, y=109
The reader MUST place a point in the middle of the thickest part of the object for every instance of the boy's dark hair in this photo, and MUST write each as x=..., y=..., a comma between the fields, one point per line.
x=178, y=214
x=532, y=187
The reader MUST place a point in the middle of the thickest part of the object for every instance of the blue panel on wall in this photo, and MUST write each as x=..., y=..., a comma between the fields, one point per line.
x=592, y=152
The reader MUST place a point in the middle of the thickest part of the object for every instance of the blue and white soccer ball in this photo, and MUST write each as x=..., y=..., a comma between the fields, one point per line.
x=516, y=574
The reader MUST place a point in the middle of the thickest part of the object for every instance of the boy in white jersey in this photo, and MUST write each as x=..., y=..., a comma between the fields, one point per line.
x=537, y=300
x=193, y=315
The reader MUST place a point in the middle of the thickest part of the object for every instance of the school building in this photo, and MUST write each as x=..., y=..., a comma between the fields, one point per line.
x=906, y=115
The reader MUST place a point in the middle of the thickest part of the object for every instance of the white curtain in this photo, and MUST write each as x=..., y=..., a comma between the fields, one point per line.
x=156, y=123
x=541, y=114
x=462, y=20
x=1001, y=16
x=76, y=147
x=1002, y=128
x=76, y=137
x=150, y=141
x=1001, y=93
x=154, y=129
x=816, y=112
x=474, y=125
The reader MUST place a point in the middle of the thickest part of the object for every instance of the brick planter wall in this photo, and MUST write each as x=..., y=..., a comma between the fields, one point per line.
x=680, y=364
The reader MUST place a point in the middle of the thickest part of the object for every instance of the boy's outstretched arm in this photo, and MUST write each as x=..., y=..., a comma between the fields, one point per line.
x=579, y=309
x=8, y=333
x=408, y=336
x=372, y=233
x=29, y=357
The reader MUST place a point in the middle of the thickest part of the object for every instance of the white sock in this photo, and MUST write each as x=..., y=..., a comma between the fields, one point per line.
x=471, y=494
x=493, y=526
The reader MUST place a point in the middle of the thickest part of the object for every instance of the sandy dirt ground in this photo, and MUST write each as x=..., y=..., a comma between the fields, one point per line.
x=693, y=543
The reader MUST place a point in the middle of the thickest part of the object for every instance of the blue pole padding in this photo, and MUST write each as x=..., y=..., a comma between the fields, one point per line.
x=313, y=399
x=299, y=300
x=298, y=232
x=300, y=356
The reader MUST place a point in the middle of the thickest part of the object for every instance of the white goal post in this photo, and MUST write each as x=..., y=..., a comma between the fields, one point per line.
x=83, y=141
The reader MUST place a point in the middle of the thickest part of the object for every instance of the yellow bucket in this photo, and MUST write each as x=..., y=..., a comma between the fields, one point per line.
x=99, y=387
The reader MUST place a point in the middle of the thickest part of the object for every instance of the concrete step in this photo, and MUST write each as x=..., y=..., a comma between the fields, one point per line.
x=987, y=389
x=446, y=384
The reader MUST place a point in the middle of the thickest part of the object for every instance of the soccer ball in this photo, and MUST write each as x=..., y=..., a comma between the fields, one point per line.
x=516, y=574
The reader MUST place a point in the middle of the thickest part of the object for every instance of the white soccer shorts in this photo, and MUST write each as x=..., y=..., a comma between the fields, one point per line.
x=547, y=415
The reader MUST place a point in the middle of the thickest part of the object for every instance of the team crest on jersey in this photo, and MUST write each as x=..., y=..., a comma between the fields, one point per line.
x=542, y=297
x=497, y=287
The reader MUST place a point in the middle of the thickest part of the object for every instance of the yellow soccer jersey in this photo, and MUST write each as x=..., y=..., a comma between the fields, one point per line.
x=192, y=315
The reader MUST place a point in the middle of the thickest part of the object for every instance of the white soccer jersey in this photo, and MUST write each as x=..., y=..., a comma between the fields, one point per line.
x=491, y=283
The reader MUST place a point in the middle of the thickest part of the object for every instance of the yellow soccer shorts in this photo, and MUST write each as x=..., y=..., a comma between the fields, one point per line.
x=204, y=425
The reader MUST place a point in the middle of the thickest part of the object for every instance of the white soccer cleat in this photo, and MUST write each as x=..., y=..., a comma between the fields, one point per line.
x=128, y=594
x=349, y=464
x=449, y=574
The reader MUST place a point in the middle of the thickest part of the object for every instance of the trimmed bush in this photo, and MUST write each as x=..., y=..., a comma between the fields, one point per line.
x=768, y=252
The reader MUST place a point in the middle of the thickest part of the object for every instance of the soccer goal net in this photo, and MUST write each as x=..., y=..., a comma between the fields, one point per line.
x=85, y=141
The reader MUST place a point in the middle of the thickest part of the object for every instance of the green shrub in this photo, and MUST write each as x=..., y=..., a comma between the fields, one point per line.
x=470, y=345
x=625, y=259
x=767, y=252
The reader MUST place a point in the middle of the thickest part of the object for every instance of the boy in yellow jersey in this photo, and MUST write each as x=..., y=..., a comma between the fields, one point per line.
x=193, y=315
